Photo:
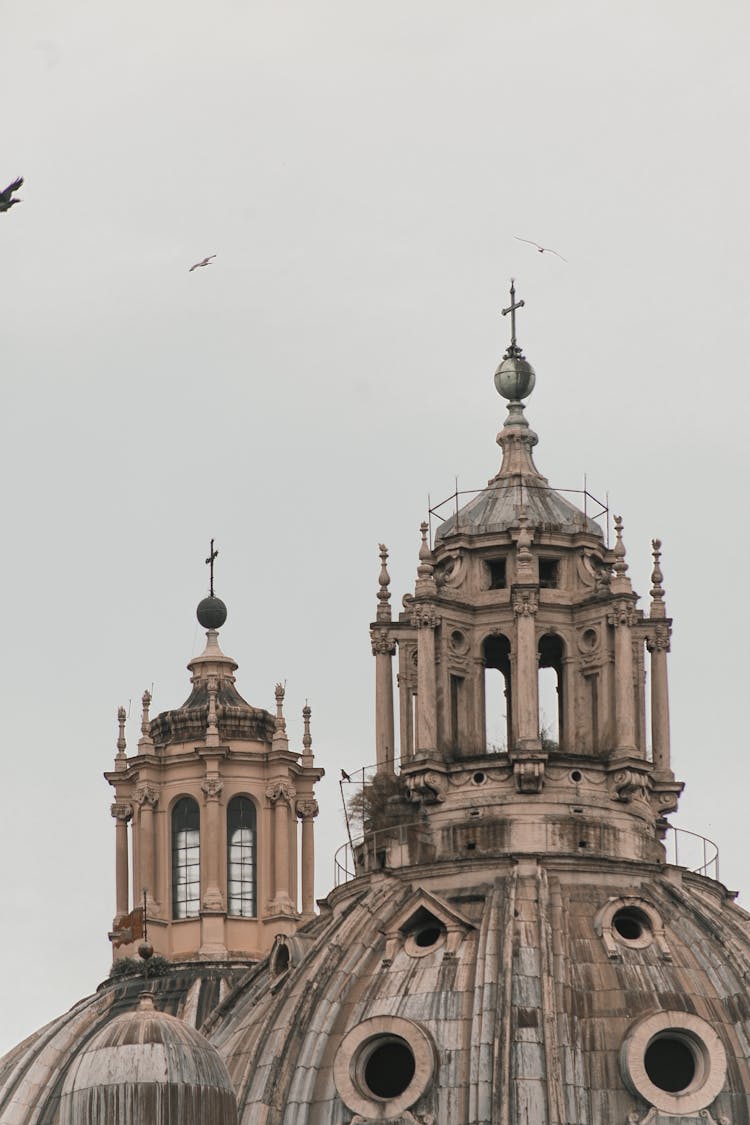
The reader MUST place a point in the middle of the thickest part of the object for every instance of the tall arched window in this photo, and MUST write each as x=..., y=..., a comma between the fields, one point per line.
x=498, y=700
x=241, y=858
x=186, y=859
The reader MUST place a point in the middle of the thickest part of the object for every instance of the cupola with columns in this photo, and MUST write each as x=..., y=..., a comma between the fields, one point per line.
x=515, y=582
x=210, y=801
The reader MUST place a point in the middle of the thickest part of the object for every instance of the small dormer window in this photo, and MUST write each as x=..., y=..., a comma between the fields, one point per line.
x=498, y=578
x=549, y=574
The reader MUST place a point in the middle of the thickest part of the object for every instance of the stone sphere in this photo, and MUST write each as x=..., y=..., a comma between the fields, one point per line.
x=211, y=613
x=515, y=378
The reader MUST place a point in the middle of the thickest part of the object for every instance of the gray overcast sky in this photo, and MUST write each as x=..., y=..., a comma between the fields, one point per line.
x=360, y=171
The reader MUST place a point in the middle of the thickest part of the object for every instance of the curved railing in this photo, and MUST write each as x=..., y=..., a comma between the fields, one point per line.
x=403, y=845
x=398, y=846
x=689, y=849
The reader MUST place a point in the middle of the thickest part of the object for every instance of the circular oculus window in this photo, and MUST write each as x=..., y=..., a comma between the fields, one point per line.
x=632, y=927
x=675, y=1061
x=425, y=939
x=383, y=1066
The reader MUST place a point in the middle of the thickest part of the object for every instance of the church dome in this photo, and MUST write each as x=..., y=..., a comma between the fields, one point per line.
x=148, y=1067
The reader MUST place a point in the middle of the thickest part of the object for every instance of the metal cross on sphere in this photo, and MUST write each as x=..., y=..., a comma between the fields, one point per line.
x=514, y=304
x=210, y=563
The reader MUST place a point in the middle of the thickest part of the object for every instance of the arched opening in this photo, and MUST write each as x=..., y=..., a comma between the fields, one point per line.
x=498, y=702
x=241, y=858
x=186, y=859
x=551, y=650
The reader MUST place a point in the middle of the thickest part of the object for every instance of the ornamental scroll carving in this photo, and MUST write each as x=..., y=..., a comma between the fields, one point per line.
x=307, y=808
x=529, y=775
x=383, y=643
x=213, y=787
x=122, y=810
x=629, y=785
x=281, y=791
x=525, y=603
x=147, y=795
x=658, y=641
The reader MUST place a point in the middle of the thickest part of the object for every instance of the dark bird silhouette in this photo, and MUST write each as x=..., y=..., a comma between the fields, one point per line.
x=345, y=776
x=541, y=249
x=203, y=262
x=5, y=196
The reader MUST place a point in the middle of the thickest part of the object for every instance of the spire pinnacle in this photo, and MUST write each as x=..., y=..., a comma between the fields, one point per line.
x=384, y=598
x=306, y=737
x=515, y=377
x=620, y=567
x=280, y=739
x=121, y=741
x=145, y=742
x=658, y=609
x=212, y=554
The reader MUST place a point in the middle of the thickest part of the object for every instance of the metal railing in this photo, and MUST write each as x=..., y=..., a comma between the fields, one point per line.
x=689, y=849
x=398, y=846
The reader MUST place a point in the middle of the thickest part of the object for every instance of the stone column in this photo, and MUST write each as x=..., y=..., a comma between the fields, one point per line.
x=122, y=812
x=425, y=620
x=307, y=810
x=526, y=685
x=281, y=794
x=147, y=798
x=212, y=898
x=658, y=647
x=567, y=687
x=383, y=648
x=621, y=618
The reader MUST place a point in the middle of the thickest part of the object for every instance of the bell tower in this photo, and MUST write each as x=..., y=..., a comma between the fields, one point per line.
x=518, y=583
x=210, y=800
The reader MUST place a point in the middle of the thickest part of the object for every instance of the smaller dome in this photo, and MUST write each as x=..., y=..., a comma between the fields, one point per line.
x=148, y=1066
x=515, y=377
x=211, y=613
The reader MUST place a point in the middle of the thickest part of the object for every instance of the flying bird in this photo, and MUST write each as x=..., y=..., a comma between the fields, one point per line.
x=541, y=249
x=5, y=196
x=203, y=262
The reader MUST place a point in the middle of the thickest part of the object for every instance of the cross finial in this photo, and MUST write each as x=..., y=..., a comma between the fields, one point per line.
x=514, y=304
x=210, y=563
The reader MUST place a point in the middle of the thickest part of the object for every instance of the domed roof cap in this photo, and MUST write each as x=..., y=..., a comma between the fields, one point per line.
x=148, y=1066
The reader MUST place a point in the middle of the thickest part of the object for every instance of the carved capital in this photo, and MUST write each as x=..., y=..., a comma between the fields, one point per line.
x=424, y=617
x=121, y=810
x=622, y=613
x=429, y=787
x=658, y=641
x=281, y=791
x=382, y=643
x=213, y=787
x=525, y=603
x=147, y=795
x=307, y=808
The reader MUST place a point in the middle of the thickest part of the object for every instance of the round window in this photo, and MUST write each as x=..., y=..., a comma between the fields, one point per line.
x=675, y=1061
x=383, y=1066
x=632, y=927
x=386, y=1067
x=425, y=938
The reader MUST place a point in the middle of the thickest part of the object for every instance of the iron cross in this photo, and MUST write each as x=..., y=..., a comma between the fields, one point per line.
x=512, y=310
x=210, y=563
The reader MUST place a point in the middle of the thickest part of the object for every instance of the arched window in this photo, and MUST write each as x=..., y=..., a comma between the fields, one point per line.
x=551, y=699
x=186, y=859
x=498, y=700
x=241, y=858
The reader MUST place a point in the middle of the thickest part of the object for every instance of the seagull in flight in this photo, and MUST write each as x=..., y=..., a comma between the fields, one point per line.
x=203, y=262
x=5, y=196
x=541, y=249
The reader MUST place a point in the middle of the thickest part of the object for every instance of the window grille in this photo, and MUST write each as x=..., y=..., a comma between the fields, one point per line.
x=241, y=858
x=186, y=864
